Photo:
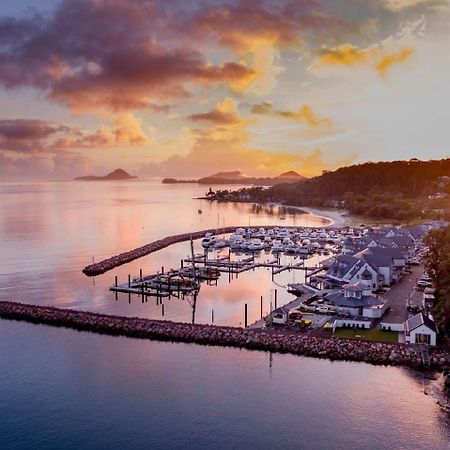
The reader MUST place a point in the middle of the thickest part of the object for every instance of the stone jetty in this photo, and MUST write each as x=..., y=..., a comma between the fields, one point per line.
x=123, y=258
x=255, y=339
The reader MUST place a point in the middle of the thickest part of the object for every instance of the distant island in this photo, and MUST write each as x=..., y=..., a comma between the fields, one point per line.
x=236, y=177
x=118, y=174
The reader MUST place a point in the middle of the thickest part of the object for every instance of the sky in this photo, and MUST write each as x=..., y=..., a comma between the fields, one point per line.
x=188, y=88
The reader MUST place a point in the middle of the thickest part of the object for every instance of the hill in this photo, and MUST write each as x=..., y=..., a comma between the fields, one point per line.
x=236, y=177
x=291, y=175
x=118, y=174
x=399, y=190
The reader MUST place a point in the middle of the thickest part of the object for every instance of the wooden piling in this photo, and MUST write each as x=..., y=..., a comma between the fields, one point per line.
x=129, y=280
x=140, y=274
x=276, y=298
x=115, y=281
x=246, y=311
x=162, y=308
x=261, y=306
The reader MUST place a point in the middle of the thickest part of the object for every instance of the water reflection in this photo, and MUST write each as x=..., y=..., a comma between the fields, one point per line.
x=50, y=230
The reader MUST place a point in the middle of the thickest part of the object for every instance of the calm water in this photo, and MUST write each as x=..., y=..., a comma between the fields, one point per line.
x=64, y=389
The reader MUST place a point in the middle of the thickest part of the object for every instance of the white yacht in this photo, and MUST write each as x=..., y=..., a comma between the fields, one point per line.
x=208, y=240
x=277, y=246
x=255, y=245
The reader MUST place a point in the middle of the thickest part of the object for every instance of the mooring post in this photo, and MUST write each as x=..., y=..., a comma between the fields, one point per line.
x=142, y=292
x=276, y=298
x=140, y=274
x=129, y=297
x=115, y=281
x=117, y=297
x=162, y=269
x=212, y=316
x=261, y=306
x=129, y=280
x=162, y=308
x=182, y=262
x=246, y=315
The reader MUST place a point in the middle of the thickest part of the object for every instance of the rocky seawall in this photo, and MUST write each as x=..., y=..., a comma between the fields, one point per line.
x=257, y=339
x=123, y=258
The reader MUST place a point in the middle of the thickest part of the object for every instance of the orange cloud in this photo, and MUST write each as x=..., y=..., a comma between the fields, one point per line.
x=304, y=114
x=225, y=113
x=380, y=58
x=393, y=58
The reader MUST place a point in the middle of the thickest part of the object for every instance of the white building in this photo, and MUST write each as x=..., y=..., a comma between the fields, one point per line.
x=357, y=300
x=420, y=329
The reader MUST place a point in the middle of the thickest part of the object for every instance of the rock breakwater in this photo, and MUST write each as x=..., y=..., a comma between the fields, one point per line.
x=123, y=258
x=256, y=339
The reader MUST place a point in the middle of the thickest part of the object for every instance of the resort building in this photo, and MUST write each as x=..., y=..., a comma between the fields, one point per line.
x=420, y=329
x=357, y=300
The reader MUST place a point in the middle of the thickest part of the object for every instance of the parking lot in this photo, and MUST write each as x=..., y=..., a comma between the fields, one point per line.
x=400, y=293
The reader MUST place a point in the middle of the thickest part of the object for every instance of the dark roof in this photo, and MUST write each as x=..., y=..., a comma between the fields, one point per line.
x=378, y=259
x=342, y=265
x=418, y=320
x=339, y=299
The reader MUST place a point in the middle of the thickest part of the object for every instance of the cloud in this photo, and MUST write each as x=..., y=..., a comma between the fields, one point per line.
x=103, y=54
x=304, y=114
x=225, y=113
x=397, y=5
x=347, y=55
x=226, y=145
x=257, y=31
x=246, y=25
x=28, y=136
x=393, y=58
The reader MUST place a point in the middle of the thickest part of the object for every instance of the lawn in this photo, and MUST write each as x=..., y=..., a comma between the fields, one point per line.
x=373, y=334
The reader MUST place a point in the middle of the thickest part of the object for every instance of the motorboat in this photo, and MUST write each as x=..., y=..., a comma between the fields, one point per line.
x=255, y=245
x=209, y=240
x=220, y=243
x=277, y=246
x=235, y=241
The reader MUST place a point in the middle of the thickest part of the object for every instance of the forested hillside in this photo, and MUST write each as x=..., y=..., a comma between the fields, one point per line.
x=397, y=190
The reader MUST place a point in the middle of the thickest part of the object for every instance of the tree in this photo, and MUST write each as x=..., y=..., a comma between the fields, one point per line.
x=437, y=264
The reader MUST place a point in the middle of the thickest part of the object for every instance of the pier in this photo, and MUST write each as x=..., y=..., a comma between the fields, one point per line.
x=252, y=339
x=124, y=258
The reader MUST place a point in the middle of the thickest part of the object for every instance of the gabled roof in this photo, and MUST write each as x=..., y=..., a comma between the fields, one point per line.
x=342, y=265
x=418, y=320
x=339, y=299
x=375, y=258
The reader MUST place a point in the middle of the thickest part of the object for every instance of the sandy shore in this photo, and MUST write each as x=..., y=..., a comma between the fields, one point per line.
x=336, y=218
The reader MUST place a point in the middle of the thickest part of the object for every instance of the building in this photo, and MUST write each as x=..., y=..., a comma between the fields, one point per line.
x=389, y=262
x=357, y=300
x=280, y=316
x=420, y=329
x=348, y=269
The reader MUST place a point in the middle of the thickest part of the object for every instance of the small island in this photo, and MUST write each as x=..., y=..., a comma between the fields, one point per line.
x=237, y=177
x=118, y=174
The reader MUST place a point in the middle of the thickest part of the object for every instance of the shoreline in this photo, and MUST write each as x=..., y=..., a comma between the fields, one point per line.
x=277, y=341
x=336, y=218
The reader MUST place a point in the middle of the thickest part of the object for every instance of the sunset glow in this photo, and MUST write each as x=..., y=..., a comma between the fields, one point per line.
x=186, y=88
